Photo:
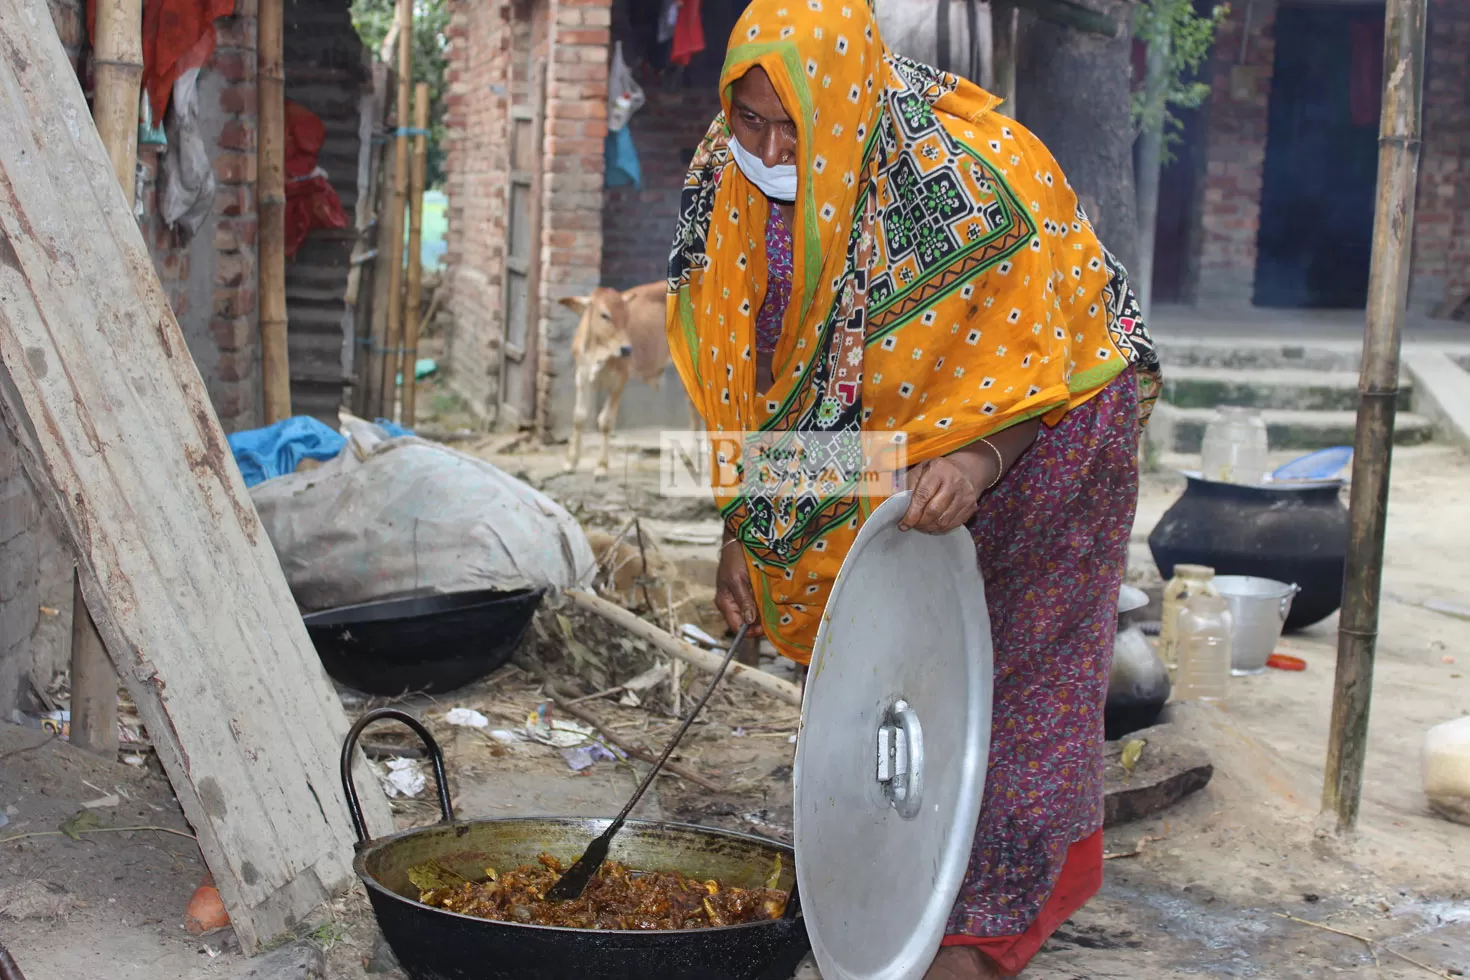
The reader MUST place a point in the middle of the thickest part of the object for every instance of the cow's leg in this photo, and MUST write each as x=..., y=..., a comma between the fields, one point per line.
x=607, y=418
x=580, y=410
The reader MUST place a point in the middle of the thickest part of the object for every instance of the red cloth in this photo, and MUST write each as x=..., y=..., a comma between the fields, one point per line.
x=1081, y=877
x=310, y=201
x=688, y=33
x=178, y=35
x=1365, y=82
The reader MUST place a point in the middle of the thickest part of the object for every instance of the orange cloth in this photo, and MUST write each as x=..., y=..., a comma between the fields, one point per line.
x=178, y=35
x=1081, y=877
x=945, y=284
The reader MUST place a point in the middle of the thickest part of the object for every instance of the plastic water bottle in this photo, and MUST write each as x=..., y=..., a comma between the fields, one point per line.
x=1236, y=448
x=1204, y=636
x=1188, y=580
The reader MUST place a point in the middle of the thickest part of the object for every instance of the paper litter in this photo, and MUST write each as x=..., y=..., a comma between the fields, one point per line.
x=466, y=718
x=403, y=777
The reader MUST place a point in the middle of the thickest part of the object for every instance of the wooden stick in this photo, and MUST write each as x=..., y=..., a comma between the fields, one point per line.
x=1372, y=944
x=392, y=356
x=387, y=230
x=690, y=654
x=1378, y=387
x=636, y=751
x=94, y=684
x=270, y=195
x=415, y=249
x=118, y=57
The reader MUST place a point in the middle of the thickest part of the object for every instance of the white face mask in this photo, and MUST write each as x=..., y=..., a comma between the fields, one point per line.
x=777, y=183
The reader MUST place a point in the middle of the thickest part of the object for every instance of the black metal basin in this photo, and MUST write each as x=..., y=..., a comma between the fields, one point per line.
x=425, y=643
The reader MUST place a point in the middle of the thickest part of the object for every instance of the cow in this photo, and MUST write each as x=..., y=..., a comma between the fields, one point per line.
x=619, y=335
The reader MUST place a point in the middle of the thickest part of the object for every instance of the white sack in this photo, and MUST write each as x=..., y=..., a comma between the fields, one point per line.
x=395, y=517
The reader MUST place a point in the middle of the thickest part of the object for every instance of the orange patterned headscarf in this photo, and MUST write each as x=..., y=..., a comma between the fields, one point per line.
x=945, y=284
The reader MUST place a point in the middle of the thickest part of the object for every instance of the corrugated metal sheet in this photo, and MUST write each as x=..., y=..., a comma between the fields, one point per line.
x=327, y=72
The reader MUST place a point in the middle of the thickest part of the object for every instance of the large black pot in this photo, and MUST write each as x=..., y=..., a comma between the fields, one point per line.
x=433, y=944
x=424, y=643
x=1287, y=532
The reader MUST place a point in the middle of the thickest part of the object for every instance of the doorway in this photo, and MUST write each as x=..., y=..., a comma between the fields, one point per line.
x=1316, y=225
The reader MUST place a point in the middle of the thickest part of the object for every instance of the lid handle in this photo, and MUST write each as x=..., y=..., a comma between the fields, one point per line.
x=901, y=759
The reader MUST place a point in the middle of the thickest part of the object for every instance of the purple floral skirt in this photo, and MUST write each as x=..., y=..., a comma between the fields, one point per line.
x=1052, y=540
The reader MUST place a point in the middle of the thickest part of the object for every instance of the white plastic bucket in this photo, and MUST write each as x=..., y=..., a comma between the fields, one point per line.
x=1259, y=607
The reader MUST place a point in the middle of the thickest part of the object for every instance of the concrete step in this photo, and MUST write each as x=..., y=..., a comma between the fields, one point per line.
x=1182, y=430
x=1257, y=355
x=1303, y=389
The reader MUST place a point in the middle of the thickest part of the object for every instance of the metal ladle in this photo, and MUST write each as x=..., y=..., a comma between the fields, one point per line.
x=572, y=884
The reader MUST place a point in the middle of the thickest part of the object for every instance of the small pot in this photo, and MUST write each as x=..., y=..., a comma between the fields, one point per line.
x=1259, y=609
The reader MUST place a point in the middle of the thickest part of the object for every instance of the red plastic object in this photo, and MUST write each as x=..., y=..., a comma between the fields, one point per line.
x=1283, y=662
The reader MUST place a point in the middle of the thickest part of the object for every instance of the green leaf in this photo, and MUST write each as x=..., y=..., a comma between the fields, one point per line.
x=1131, y=753
x=80, y=822
x=434, y=876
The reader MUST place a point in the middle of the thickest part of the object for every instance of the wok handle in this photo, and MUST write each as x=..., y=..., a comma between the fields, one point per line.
x=354, y=805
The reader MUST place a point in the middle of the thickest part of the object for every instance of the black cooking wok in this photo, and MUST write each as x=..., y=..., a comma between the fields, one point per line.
x=433, y=944
x=430, y=643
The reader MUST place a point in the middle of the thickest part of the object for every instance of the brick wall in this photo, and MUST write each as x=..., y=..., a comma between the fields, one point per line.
x=1237, y=123
x=638, y=224
x=19, y=601
x=1231, y=202
x=572, y=191
x=1441, y=269
x=477, y=168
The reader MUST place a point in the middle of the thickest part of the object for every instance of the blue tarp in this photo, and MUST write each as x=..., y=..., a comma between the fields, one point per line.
x=263, y=454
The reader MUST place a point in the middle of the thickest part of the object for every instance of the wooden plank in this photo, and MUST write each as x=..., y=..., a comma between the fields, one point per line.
x=124, y=448
x=94, y=685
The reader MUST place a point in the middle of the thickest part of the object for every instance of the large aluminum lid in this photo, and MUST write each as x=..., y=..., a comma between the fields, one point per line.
x=890, y=764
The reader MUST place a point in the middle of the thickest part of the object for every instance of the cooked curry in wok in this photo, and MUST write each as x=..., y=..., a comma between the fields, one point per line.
x=617, y=897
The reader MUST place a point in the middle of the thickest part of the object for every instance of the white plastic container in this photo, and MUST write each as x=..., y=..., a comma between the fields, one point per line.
x=1235, y=448
x=1204, y=639
x=1447, y=769
x=1188, y=580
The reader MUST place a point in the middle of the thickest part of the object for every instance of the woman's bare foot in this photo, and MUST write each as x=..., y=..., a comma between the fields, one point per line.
x=961, y=963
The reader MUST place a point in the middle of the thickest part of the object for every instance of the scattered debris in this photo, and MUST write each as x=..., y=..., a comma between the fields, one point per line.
x=1282, y=661
x=466, y=718
x=34, y=899
x=586, y=756
x=403, y=777
x=694, y=634
x=1131, y=751
x=205, y=912
x=1373, y=945
x=1137, y=848
x=103, y=802
x=299, y=961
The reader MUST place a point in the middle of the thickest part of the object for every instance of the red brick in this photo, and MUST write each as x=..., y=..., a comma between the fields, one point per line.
x=233, y=268
x=235, y=365
x=235, y=32
x=231, y=401
x=231, y=234
x=585, y=35
x=235, y=168
x=234, y=199
x=229, y=303
x=237, y=135
x=234, y=333
x=175, y=266
x=239, y=100
x=234, y=65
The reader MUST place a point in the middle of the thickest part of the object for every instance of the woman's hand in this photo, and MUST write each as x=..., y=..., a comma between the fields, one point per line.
x=947, y=490
x=734, y=596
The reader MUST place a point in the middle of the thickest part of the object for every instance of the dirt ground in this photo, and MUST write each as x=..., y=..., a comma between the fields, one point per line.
x=1206, y=894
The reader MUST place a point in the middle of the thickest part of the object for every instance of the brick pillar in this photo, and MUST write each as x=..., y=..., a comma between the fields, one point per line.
x=571, y=222
x=1231, y=203
x=1440, y=274
x=19, y=601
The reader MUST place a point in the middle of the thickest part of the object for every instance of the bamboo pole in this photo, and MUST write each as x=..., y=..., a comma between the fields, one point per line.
x=118, y=68
x=270, y=193
x=392, y=356
x=375, y=272
x=1388, y=289
x=671, y=645
x=415, y=247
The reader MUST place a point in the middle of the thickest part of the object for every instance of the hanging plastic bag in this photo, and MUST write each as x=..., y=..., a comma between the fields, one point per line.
x=624, y=94
x=188, y=175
